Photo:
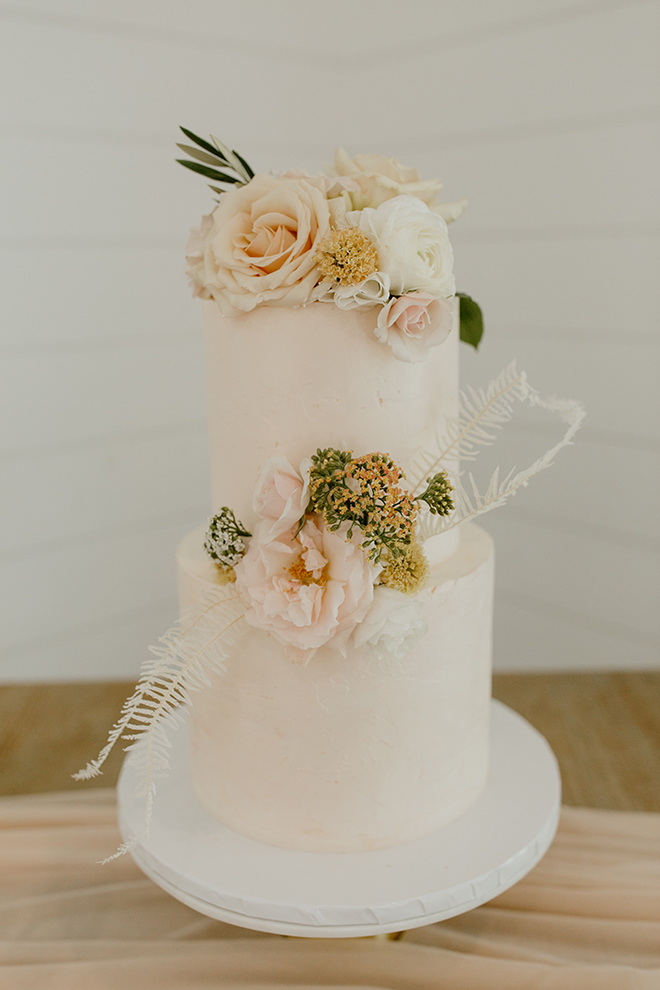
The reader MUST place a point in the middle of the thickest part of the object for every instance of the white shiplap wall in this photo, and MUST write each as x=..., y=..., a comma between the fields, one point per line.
x=544, y=114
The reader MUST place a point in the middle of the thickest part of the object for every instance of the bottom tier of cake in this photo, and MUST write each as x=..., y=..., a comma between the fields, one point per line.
x=349, y=753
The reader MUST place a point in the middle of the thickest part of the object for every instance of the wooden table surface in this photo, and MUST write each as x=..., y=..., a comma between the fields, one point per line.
x=604, y=729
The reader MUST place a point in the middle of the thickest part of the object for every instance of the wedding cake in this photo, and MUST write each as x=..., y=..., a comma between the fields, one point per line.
x=313, y=738
x=334, y=647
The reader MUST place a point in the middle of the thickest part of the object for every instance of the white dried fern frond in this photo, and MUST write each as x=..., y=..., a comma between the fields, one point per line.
x=501, y=394
x=481, y=415
x=188, y=652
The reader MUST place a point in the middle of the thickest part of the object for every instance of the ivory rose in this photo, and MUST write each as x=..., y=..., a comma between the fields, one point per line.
x=413, y=245
x=309, y=590
x=260, y=248
x=414, y=323
x=281, y=496
x=380, y=179
x=392, y=624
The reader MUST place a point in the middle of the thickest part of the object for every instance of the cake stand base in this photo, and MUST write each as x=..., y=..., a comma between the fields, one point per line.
x=232, y=878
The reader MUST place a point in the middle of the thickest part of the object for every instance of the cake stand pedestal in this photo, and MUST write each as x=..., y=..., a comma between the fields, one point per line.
x=232, y=878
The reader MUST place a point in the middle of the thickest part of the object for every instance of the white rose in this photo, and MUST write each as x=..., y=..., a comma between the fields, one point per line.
x=412, y=243
x=392, y=624
x=374, y=291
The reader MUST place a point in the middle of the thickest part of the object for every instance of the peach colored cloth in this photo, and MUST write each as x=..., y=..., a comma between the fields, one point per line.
x=587, y=918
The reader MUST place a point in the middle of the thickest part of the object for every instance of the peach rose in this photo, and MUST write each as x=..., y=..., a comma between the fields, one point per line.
x=261, y=246
x=381, y=178
x=281, y=495
x=412, y=324
x=309, y=590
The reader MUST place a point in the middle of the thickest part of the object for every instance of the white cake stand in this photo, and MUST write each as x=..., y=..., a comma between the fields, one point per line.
x=232, y=878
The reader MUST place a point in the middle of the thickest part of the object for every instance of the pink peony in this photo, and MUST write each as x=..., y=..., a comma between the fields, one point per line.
x=308, y=590
x=413, y=323
x=281, y=495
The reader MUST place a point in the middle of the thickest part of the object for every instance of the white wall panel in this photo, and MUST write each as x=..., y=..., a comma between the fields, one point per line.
x=576, y=65
x=609, y=491
x=59, y=497
x=59, y=593
x=540, y=192
x=532, y=636
x=613, y=380
x=95, y=650
x=574, y=571
x=288, y=30
x=76, y=396
x=56, y=299
x=588, y=282
x=545, y=116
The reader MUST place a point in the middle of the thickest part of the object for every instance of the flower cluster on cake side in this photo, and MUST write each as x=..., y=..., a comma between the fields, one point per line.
x=368, y=234
x=334, y=557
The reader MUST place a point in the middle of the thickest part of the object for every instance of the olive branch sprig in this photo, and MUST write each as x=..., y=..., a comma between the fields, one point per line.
x=215, y=154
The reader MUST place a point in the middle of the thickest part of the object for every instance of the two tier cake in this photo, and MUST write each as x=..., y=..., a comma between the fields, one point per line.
x=334, y=646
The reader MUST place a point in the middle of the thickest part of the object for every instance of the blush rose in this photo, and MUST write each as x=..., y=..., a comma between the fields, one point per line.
x=412, y=324
x=281, y=495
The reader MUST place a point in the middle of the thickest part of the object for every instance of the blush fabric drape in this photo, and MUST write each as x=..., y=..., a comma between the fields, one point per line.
x=586, y=918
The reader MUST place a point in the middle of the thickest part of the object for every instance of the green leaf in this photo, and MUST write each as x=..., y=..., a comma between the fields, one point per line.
x=217, y=189
x=210, y=173
x=202, y=143
x=245, y=165
x=232, y=160
x=472, y=321
x=202, y=156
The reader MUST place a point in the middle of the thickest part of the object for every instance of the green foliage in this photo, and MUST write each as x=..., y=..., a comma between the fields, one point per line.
x=223, y=542
x=471, y=320
x=210, y=173
x=363, y=492
x=438, y=494
x=326, y=477
x=210, y=156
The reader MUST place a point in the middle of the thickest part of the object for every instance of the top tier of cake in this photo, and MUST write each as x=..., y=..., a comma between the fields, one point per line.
x=284, y=382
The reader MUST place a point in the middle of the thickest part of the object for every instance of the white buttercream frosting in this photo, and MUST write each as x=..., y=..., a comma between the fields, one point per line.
x=284, y=382
x=349, y=752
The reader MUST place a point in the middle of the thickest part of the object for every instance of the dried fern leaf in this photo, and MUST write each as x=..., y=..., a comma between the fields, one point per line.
x=501, y=394
x=481, y=415
x=196, y=646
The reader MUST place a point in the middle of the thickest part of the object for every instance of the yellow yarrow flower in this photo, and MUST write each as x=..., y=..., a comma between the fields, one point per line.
x=407, y=573
x=347, y=257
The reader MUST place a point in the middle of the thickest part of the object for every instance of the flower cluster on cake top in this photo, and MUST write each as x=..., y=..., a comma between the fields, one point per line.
x=334, y=556
x=368, y=234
